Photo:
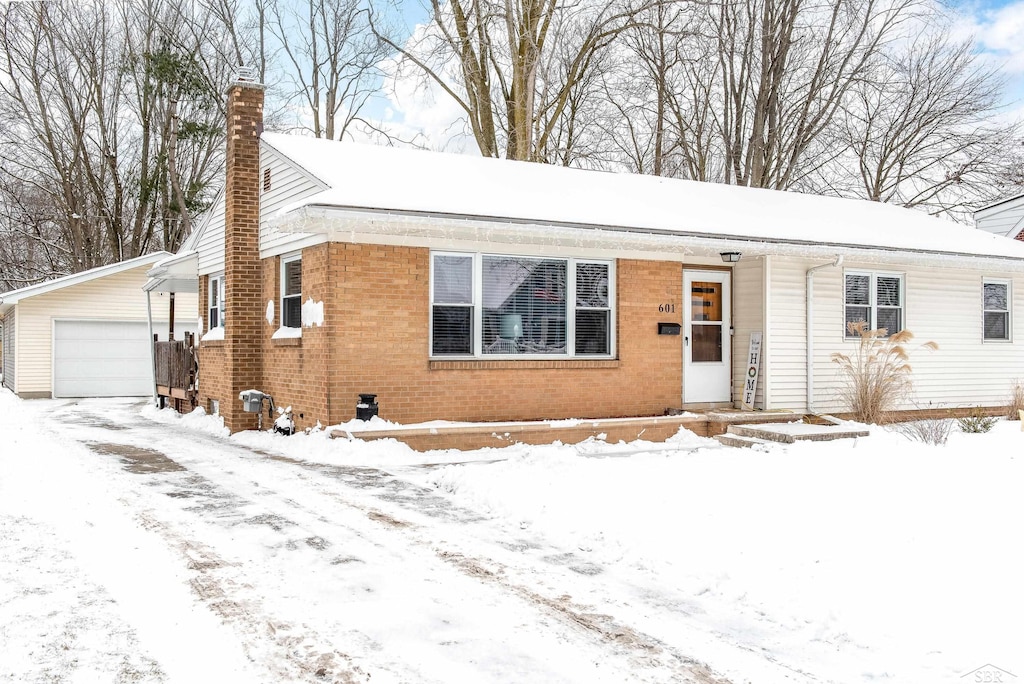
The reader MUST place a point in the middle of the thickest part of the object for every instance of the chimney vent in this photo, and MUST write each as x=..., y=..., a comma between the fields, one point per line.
x=246, y=74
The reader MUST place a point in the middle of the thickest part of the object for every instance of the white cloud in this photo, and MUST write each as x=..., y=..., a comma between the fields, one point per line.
x=999, y=32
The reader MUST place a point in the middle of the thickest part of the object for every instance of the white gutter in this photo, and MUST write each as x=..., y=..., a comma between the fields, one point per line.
x=810, y=327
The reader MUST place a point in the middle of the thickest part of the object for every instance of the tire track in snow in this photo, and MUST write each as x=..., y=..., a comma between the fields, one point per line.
x=645, y=651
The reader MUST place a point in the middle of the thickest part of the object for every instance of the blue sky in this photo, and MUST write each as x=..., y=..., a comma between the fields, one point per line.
x=998, y=26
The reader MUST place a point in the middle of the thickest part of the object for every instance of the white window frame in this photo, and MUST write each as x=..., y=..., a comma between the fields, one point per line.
x=216, y=283
x=285, y=260
x=872, y=305
x=570, y=312
x=1008, y=311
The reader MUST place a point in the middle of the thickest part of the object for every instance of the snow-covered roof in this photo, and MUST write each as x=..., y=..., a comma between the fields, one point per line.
x=367, y=177
x=176, y=273
x=10, y=298
x=998, y=203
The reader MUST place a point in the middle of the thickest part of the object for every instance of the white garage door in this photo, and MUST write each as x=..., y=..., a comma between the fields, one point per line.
x=101, y=359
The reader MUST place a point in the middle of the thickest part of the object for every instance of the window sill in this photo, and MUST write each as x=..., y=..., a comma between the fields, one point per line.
x=522, y=364
x=286, y=341
x=212, y=344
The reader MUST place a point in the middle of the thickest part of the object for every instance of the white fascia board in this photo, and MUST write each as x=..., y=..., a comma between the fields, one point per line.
x=83, y=277
x=178, y=273
x=382, y=227
x=300, y=241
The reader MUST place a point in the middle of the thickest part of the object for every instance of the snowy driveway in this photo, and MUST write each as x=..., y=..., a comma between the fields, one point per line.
x=144, y=547
x=199, y=560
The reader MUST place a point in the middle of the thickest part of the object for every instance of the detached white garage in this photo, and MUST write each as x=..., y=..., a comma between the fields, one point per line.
x=86, y=335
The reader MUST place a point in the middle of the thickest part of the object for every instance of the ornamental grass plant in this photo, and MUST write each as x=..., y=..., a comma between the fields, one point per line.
x=876, y=376
x=1016, y=404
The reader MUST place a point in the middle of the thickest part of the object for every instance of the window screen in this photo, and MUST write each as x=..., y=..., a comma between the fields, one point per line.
x=593, y=309
x=291, y=294
x=874, y=299
x=997, y=310
x=486, y=304
x=215, y=313
x=452, y=314
x=524, y=307
x=858, y=301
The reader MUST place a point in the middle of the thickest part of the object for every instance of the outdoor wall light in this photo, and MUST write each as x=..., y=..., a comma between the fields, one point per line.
x=730, y=257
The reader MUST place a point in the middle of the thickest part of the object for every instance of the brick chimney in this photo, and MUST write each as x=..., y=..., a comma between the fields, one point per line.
x=242, y=273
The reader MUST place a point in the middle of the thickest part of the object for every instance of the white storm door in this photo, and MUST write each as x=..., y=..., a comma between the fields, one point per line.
x=707, y=341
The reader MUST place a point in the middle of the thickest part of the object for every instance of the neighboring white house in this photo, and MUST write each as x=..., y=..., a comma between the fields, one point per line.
x=86, y=335
x=1005, y=217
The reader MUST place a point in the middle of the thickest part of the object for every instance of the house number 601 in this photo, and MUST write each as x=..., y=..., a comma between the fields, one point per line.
x=666, y=308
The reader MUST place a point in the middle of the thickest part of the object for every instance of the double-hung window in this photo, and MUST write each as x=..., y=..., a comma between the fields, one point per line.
x=875, y=299
x=291, y=291
x=486, y=305
x=996, y=305
x=215, y=310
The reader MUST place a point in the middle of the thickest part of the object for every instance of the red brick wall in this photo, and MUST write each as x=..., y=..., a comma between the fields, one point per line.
x=296, y=372
x=375, y=340
x=242, y=267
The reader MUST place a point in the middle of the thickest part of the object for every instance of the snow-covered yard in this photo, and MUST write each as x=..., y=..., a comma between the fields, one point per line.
x=136, y=545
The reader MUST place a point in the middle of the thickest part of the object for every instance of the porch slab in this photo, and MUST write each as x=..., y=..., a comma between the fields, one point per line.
x=480, y=435
x=430, y=437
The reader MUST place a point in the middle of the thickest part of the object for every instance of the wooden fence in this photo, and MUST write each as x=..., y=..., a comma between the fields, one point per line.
x=176, y=371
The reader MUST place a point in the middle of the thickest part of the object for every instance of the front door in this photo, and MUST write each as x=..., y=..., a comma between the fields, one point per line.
x=707, y=341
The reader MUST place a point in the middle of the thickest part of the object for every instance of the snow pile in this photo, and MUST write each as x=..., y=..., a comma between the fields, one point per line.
x=853, y=560
x=197, y=420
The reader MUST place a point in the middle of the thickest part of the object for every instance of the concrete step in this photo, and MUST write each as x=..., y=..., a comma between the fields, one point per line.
x=732, y=440
x=760, y=432
x=788, y=433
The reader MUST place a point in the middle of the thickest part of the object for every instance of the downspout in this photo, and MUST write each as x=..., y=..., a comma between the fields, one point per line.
x=152, y=342
x=810, y=327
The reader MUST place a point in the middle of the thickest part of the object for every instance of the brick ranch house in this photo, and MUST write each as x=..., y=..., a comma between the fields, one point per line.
x=461, y=288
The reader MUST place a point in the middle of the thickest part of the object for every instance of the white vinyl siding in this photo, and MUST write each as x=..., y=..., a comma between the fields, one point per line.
x=1005, y=218
x=748, y=289
x=115, y=297
x=8, y=345
x=210, y=245
x=287, y=184
x=940, y=305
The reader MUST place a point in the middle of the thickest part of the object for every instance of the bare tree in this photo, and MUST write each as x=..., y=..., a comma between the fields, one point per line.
x=922, y=127
x=330, y=57
x=784, y=70
x=500, y=49
x=112, y=140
